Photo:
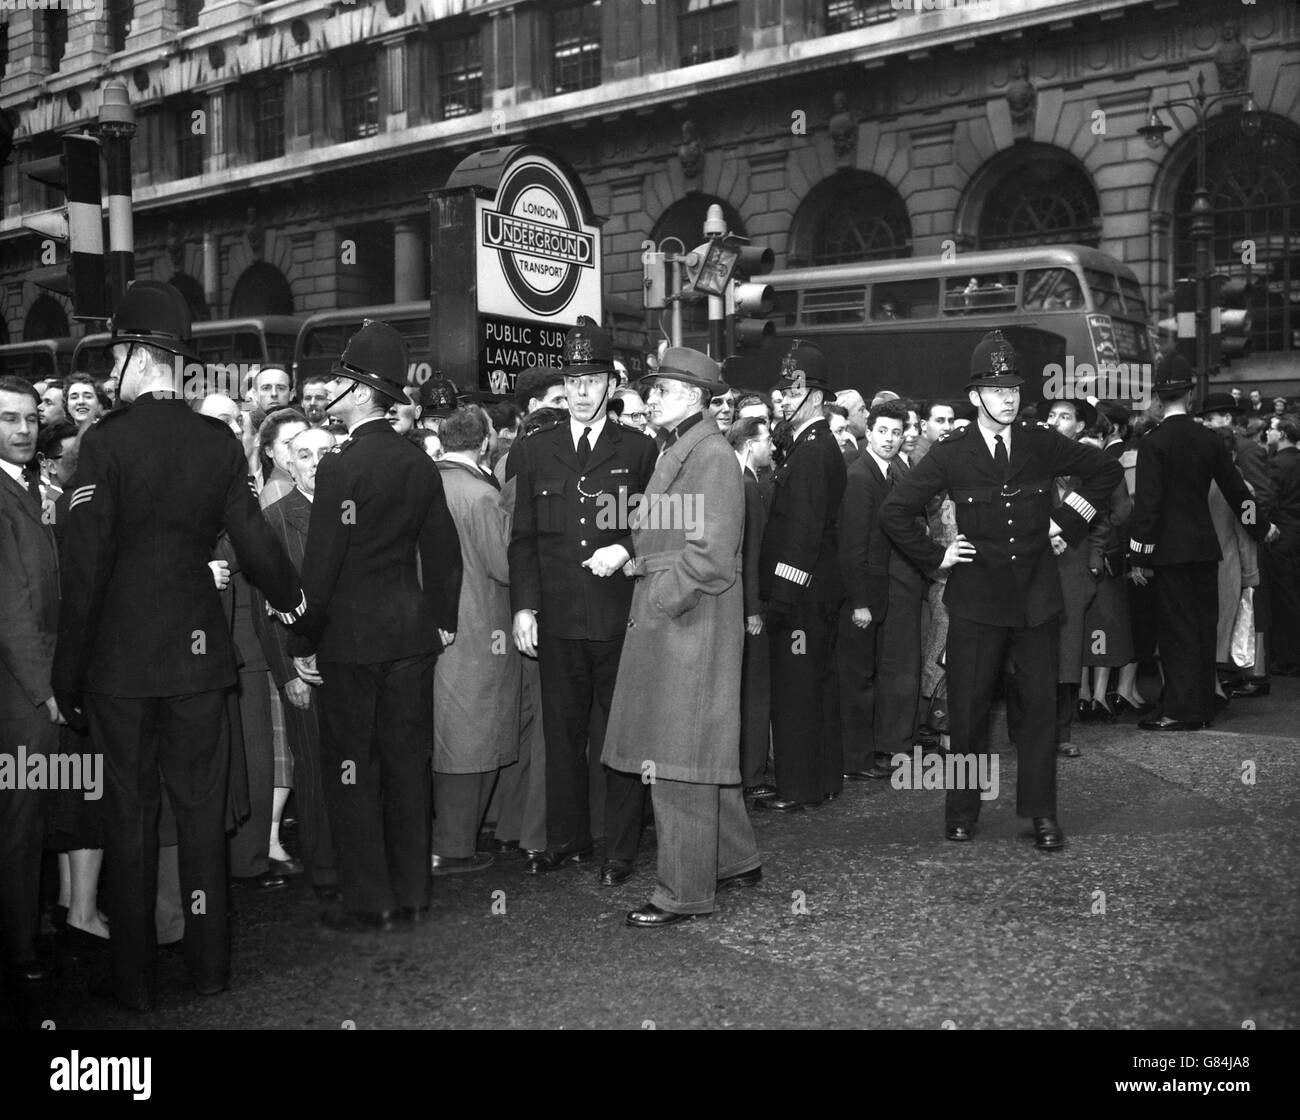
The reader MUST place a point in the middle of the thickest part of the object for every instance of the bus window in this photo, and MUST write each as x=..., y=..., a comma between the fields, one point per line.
x=786, y=307
x=995, y=291
x=1105, y=291
x=905, y=299
x=1052, y=289
x=1134, y=304
x=835, y=305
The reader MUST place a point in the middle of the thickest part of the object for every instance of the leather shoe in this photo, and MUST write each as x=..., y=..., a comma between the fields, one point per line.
x=760, y=792
x=1164, y=723
x=780, y=805
x=1102, y=712
x=454, y=865
x=355, y=921
x=651, y=917
x=286, y=867
x=741, y=879
x=614, y=872
x=501, y=847
x=269, y=880
x=1256, y=686
x=958, y=832
x=875, y=772
x=539, y=863
x=1048, y=836
x=1067, y=750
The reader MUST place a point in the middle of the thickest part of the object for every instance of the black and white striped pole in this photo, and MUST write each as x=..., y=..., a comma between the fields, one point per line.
x=116, y=128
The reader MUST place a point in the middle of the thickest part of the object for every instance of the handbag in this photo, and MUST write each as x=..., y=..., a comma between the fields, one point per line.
x=1242, y=646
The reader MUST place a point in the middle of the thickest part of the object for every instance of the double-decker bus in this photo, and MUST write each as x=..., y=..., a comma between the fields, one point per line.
x=38, y=359
x=229, y=349
x=911, y=325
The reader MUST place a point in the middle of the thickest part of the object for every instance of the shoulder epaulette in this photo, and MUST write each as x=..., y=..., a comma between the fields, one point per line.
x=957, y=433
x=544, y=420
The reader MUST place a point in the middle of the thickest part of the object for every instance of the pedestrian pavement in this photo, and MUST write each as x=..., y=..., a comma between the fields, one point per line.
x=1175, y=904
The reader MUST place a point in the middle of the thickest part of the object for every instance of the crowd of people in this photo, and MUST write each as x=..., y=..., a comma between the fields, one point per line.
x=355, y=633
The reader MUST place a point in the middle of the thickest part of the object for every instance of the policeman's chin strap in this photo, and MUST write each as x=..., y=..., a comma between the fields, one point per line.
x=987, y=413
x=330, y=404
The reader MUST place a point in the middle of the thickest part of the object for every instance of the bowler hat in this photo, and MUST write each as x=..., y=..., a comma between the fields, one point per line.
x=994, y=364
x=376, y=356
x=588, y=349
x=804, y=367
x=1219, y=402
x=1115, y=412
x=1174, y=373
x=693, y=368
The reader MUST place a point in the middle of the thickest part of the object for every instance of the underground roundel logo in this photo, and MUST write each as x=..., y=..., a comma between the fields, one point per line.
x=536, y=228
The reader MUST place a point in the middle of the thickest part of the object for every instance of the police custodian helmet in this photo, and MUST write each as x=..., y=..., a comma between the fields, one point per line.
x=588, y=349
x=376, y=356
x=155, y=313
x=994, y=364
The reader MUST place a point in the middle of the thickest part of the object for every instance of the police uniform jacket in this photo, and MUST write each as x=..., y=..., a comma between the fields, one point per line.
x=1171, y=516
x=156, y=483
x=382, y=568
x=1012, y=579
x=564, y=513
x=800, y=556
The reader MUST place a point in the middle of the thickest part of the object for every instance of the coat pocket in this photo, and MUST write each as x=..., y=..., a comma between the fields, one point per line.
x=548, y=501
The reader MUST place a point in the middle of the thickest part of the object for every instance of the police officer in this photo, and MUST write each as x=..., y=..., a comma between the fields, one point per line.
x=382, y=573
x=576, y=478
x=143, y=646
x=1174, y=543
x=799, y=578
x=1004, y=593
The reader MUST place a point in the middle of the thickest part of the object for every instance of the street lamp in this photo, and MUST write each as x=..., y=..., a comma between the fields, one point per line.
x=1202, y=220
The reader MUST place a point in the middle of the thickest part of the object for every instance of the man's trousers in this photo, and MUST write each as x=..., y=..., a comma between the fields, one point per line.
x=376, y=741
x=574, y=673
x=704, y=836
x=22, y=830
x=1187, y=597
x=806, y=745
x=182, y=736
x=976, y=656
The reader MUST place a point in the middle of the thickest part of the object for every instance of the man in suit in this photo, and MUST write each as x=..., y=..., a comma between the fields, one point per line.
x=799, y=577
x=864, y=564
x=1004, y=593
x=289, y=519
x=569, y=540
x=677, y=704
x=382, y=574
x=141, y=634
x=1281, y=558
x=751, y=440
x=1174, y=543
x=29, y=610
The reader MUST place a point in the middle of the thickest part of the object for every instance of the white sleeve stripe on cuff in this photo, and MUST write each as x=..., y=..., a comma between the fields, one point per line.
x=793, y=574
x=1081, y=506
x=1137, y=546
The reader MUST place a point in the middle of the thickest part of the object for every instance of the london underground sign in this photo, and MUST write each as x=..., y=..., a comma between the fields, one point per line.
x=513, y=232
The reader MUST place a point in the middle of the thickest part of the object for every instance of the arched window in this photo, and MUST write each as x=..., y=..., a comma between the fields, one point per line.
x=45, y=319
x=1038, y=195
x=261, y=290
x=192, y=290
x=852, y=216
x=684, y=220
x=1254, y=189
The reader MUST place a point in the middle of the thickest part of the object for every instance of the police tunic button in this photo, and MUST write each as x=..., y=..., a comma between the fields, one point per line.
x=1008, y=505
x=1010, y=522
x=1013, y=556
x=630, y=623
x=583, y=543
x=582, y=521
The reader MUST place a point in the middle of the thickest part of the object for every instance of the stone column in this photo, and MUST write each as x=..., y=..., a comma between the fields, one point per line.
x=212, y=272
x=408, y=262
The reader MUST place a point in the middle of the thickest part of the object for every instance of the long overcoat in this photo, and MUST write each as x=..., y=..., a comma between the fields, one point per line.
x=677, y=700
x=476, y=680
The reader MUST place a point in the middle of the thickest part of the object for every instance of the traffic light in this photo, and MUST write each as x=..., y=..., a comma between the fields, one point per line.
x=752, y=303
x=1230, y=321
x=80, y=223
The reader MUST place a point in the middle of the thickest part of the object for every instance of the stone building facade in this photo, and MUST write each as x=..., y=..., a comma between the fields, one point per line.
x=284, y=149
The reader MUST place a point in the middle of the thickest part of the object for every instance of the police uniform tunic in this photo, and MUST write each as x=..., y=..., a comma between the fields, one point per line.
x=1009, y=595
x=799, y=578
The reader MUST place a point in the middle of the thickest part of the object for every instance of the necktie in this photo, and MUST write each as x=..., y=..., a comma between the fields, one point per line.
x=33, y=483
x=1000, y=458
x=584, y=448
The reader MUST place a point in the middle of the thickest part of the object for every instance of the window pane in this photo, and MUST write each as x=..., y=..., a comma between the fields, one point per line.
x=905, y=299
x=848, y=15
x=706, y=30
x=835, y=305
x=1052, y=289
x=361, y=99
x=994, y=291
x=460, y=80
x=575, y=34
x=268, y=106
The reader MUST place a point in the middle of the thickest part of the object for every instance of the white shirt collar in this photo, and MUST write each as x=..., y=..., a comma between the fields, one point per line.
x=883, y=464
x=804, y=426
x=988, y=439
x=14, y=471
x=597, y=425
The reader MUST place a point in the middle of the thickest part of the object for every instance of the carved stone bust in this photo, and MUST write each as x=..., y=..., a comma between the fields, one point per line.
x=691, y=151
x=1232, y=61
x=1022, y=100
x=843, y=128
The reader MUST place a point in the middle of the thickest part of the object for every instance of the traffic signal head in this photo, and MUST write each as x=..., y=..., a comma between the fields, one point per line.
x=1230, y=317
x=753, y=303
x=754, y=260
x=80, y=223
